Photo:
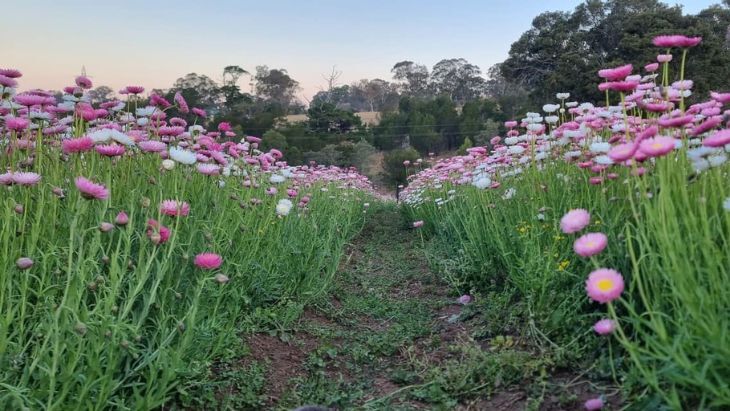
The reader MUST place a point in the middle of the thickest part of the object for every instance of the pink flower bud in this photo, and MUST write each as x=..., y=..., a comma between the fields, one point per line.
x=58, y=192
x=24, y=263
x=156, y=238
x=594, y=404
x=122, y=218
x=464, y=299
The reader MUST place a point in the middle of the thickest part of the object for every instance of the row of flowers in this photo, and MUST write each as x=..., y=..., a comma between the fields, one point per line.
x=652, y=132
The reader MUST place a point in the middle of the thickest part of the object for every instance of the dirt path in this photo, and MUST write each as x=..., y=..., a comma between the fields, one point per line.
x=391, y=337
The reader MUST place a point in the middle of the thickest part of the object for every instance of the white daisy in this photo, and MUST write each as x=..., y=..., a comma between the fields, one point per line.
x=183, y=156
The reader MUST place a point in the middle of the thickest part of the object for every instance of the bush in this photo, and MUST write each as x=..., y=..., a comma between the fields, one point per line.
x=464, y=146
x=395, y=172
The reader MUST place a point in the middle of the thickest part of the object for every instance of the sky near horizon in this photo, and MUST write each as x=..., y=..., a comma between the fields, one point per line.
x=152, y=43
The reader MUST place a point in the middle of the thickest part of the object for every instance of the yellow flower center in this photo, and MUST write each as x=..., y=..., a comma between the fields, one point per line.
x=604, y=285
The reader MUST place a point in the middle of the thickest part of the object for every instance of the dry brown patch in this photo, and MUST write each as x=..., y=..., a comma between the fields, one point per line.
x=284, y=360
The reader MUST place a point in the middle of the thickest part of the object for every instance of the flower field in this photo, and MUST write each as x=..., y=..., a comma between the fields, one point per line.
x=140, y=251
x=607, y=228
x=134, y=245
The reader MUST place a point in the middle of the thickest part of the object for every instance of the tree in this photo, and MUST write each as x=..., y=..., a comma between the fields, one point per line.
x=458, y=79
x=562, y=52
x=465, y=145
x=101, y=93
x=339, y=96
x=231, y=74
x=511, y=97
x=364, y=95
x=326, y=118
x=378, y=95
x=394, y=171
x=491, y=128
x=276, y=86
x=362, y=157
x=230, y=90
x=331, y=80
x=329, y=155
x=392, y=131
x=413, y=77
x=274, y=139
x=479, y=118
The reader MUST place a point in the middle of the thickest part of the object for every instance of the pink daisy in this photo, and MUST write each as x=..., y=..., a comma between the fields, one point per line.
x=209, y=169
x=177, y=121
x=6, y=179
x=199, y=112
x=171, y=131
x=175, y=208
x=622, y=86
x=590, y=244
x=574, y=221
x=707, y=125
x=90, y=190
x=617, y=73
x=77, y=145
x=651, y=67
x=719, y=139
x=16, y=123
x=276, y=153
x=134, y=89
x=182, y=105
x=152, y=146
x=26, y=179
x=6, y=81
x=676, y=40
x=720, y=97
x=605, y=326
x=208, y=261
x=110, y=150
x=622, y=152
x=12, y=73
x=657, y=146
x=604, y=285
x=28, y=99
x=157, y=100
x=83, y=82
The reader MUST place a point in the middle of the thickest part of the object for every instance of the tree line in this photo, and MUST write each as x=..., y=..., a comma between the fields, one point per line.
x=454, y=104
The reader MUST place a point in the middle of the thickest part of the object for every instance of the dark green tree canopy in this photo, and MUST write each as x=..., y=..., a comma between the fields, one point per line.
x=562, y=52
x=458, y=79
x=277, y=86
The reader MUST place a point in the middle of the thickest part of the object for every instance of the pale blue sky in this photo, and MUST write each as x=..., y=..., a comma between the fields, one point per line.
x=152, y=43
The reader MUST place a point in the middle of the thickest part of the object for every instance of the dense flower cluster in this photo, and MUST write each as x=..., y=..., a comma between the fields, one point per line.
x=651, y=122
x=131, y=235
x=650, y=143
x=113, y=129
